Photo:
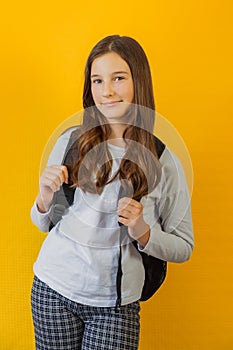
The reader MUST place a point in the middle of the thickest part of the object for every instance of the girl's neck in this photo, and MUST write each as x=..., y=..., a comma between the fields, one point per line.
x=116, y=136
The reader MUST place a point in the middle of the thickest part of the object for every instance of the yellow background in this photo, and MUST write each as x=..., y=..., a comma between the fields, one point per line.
x=44, y=46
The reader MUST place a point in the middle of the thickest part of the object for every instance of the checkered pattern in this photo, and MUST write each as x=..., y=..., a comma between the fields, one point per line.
x=62, y=324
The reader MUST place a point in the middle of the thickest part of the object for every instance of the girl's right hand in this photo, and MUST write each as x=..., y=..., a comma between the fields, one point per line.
x=51, y=181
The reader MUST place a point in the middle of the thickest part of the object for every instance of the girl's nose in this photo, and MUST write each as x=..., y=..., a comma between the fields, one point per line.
x=107, y=90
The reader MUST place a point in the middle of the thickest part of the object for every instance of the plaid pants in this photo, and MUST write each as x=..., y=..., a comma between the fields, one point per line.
x=62, y=324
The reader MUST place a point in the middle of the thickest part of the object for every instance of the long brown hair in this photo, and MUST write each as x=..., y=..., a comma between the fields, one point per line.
x=139, y=166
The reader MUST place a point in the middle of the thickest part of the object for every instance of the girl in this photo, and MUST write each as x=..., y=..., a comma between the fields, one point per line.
x=74, y=289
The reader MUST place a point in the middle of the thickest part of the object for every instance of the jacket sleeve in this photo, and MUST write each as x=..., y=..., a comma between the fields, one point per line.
x=42, y=220
x=167, y=210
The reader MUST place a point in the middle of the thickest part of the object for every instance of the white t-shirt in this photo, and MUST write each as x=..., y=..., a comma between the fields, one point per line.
x=79, y=257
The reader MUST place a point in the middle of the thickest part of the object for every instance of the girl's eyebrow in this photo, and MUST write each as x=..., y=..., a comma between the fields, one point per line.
x=114, y=73
x=120, y=72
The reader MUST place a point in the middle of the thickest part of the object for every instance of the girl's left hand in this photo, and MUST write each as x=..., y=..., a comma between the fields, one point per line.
x=130, y=214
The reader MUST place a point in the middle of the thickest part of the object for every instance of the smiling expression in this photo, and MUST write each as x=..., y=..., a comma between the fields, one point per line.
x=111, y=85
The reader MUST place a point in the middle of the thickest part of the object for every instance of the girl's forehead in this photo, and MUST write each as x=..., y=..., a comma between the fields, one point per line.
x=109, y=60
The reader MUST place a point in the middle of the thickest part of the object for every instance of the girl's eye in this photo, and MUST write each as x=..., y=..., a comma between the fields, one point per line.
x=118, y=78
x=96, y=81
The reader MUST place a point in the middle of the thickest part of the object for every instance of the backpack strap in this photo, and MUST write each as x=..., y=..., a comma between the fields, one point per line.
x=155, y=269
x=159, y=146
x=64, y=197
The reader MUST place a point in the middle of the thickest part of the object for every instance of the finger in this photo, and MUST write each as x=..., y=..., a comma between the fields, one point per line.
x=134, y=210
x=127, y=214
x=129, y=201
x=59, y=171
x=54, y=175
x=123, y=221
x=52, y=182
x=131, y=208
x=62, y=171
x=65, y=174
x=125, y=200
x=52, y=178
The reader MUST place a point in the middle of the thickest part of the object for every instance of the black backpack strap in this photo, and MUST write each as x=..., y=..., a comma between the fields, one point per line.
x=64, y=198
x=159, y=146
x=123, y=232
x=155, y=269
x=119, y=279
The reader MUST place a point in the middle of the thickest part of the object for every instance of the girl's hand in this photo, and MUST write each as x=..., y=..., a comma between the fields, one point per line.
x=51, y=180
x=130, y=214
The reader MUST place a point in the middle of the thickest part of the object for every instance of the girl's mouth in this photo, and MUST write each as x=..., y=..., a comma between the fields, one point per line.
x=111, y=103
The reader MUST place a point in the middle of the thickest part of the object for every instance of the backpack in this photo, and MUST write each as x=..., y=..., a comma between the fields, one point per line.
x=155, y=269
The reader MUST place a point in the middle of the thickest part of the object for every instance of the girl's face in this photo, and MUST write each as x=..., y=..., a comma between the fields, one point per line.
x=111, y=85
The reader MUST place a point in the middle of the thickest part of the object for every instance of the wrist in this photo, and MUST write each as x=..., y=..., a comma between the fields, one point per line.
x=42, y=205
x=143, y=240
x=140, y=232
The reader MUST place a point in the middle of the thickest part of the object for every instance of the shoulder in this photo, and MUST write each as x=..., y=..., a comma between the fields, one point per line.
x=172, y=171
x=58, y=151
x=70, y=131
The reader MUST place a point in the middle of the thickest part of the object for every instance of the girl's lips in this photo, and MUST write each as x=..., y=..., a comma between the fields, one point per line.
x=110, y=103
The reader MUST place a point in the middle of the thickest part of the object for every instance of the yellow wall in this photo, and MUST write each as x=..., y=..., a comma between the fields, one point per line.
x=189, y=44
